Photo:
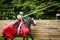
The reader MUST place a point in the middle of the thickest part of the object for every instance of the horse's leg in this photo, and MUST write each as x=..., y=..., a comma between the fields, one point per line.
x=5, y=38
x=3, y=35
x=30, y=36
x=11, y=39
x=24, y=38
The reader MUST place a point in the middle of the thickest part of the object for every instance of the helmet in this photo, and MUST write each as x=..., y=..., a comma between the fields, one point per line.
x=19, y=17
x=21, y=13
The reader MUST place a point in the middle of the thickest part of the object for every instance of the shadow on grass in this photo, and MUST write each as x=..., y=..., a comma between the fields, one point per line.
x=18, y=38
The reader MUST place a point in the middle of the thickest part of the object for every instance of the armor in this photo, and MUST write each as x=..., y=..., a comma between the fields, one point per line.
x=20, y=16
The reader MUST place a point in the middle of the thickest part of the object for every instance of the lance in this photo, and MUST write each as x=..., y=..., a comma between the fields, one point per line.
x=39, y=10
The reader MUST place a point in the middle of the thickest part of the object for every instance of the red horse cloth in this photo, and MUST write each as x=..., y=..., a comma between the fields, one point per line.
x=24, y=30
x=11, y=32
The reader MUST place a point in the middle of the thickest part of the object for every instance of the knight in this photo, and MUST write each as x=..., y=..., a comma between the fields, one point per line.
x=18, y=24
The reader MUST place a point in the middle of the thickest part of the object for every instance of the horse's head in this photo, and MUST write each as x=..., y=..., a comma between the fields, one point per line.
x=32, y=21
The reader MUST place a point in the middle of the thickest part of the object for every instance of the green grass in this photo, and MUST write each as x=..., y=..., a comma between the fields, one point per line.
x=1, y=38
x=18, y=38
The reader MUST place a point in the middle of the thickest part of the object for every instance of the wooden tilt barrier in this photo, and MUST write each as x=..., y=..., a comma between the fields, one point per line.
x=45, y=29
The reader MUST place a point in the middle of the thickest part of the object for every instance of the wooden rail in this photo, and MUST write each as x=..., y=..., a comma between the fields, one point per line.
x=45, y=29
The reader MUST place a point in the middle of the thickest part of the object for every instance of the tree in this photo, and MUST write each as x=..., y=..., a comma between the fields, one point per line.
x=10, y=8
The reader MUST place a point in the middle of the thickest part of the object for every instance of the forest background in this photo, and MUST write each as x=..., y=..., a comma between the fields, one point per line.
x=9, y=9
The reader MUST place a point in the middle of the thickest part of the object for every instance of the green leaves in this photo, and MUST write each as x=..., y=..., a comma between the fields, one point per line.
x=10, y=8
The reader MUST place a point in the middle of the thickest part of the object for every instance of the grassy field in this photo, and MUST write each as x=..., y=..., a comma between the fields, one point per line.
x=17, y=38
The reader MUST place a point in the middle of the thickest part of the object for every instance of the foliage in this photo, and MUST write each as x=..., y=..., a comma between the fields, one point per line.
x=10, y=8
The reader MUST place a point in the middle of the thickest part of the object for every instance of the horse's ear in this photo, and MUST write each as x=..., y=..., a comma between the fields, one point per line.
x=34, y=21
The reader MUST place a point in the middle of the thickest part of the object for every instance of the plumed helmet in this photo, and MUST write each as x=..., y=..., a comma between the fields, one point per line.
x=21, y=13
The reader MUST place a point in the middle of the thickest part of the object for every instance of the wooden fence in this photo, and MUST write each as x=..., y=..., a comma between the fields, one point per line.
x=45, y=29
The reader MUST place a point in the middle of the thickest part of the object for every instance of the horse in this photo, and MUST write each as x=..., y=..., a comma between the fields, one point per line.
x=27, y=25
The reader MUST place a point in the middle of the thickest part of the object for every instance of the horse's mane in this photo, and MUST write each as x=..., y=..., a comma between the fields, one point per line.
x=27, y=23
